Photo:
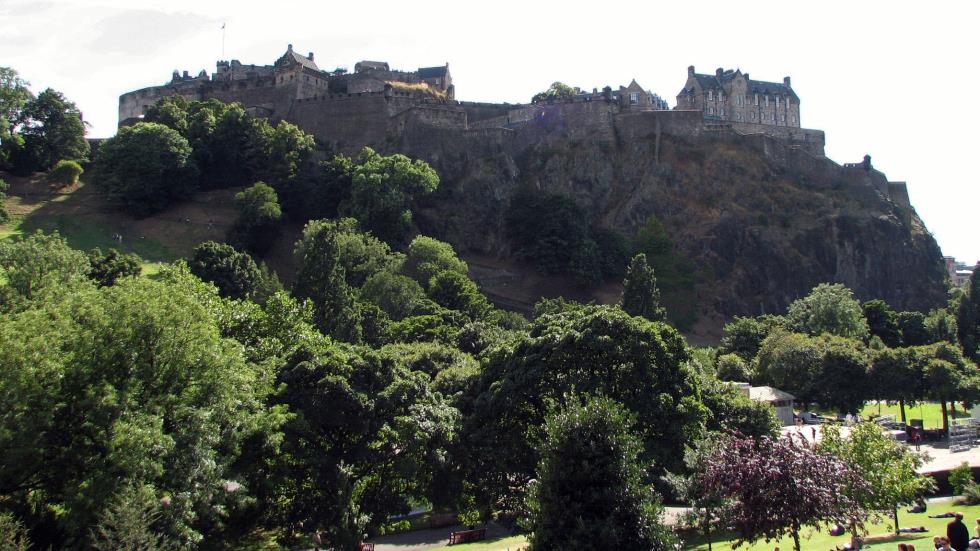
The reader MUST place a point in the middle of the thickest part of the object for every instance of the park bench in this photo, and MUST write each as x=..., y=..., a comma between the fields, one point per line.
x=461, y=536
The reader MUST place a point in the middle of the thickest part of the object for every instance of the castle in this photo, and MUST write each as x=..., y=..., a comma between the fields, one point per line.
x=417, y=112
x=376, y=104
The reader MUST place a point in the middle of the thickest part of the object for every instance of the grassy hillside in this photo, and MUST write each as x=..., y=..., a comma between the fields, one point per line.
x=80, y=214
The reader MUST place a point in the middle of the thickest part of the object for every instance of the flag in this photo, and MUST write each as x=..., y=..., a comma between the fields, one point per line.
x=222, y=26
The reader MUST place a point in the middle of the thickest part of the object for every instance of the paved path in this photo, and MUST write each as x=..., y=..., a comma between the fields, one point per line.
x=940, y=458
x=421, y=540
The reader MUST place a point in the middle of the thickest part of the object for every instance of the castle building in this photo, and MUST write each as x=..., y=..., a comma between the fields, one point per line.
x=732, y=96
x=269, y=90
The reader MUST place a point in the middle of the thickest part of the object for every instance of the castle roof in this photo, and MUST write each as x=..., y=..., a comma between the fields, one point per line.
x=367, y=65
x=292, y=57
x=434, y=72
x=719, y=82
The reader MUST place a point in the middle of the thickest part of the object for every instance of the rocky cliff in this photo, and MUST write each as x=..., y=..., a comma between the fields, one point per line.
x=763, y=220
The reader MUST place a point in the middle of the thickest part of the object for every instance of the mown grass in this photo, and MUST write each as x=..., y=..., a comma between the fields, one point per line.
x=511, y=543
x=930, y=412
x=880, y=533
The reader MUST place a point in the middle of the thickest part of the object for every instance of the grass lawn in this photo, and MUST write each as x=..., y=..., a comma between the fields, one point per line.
x=929, y=412
x=879, y=533
x=513, y=543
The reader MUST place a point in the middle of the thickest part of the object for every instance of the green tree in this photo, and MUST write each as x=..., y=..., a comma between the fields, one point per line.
x=913, y=327
x=108, y=268
x=131, y=383
x=744, y=335
x=882, y=322
x=146, y=168
x=790, y=362
x=4, y=215
x=640, y=294
x=321, y=278
x=557, y=90
x=37, y=262
x=13, y=535
x=14, y=95
x=829, y=308
x=968, y=317
x=843, y=380
x=362, y=254
x=590, y=486
x=65, y=173
x=382, y=191
x=734, y=412
x=731, y=367
x=128, y=523
x=427, y=257
x=257, y=225
x=889, y=468
x=894, y=376
x=593, y=350
x=941, y=326
x=234, y=273
x=398, y=295
x=960, y=477
x=367, y=438
x=53, y=130
x=455, y=291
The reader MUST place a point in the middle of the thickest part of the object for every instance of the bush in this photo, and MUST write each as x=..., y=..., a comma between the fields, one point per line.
x=4, y=215
x=961, y=477
x=65, y=173
x=731, y=367
x=970, y=494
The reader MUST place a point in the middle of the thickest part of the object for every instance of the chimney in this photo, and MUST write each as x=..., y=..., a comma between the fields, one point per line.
x=310, y=57
x=690, y=70
x=746, y=75
x=719, y=71
x=186, y=75
x=786, y=81
x=289, y=47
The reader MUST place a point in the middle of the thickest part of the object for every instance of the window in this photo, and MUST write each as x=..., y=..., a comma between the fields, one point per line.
x=634, y=98
x=711, y=96
x=757, y=99
x=711, y=110
x=722, y=113
x=721, y=96
x=782, y=118
x=767, y=100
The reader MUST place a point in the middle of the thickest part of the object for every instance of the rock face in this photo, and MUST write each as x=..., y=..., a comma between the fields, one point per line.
x=766, y=220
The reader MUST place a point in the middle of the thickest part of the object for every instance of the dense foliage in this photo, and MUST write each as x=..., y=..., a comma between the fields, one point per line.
x=65, y=173
x=146, y=168
x=590, y=486
x=47, y=129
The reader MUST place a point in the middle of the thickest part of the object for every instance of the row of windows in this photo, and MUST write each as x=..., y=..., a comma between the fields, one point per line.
x=740, y=100
x=763, y=117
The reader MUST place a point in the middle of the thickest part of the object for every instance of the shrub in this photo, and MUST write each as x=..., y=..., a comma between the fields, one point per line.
x=65, y=173
x=961, y=477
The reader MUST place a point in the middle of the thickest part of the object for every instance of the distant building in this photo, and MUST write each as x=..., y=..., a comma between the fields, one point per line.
x=781, y=401
x=732, y=96
x=959, y=272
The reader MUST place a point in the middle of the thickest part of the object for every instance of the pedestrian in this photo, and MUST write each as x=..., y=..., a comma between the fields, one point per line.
x=957, y=533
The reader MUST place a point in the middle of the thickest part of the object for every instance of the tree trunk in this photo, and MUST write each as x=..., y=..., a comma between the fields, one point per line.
x=796, y=539
x=895, y=515
x=901, y=406
x=945, y=418
x=952, y=407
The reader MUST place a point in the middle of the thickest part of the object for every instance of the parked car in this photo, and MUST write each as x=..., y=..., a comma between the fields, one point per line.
x=810, y=418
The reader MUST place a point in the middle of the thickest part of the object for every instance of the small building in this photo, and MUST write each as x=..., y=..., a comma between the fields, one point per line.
x=781, y=401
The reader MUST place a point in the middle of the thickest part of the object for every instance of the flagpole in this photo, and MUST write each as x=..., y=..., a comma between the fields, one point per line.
x=222, y=41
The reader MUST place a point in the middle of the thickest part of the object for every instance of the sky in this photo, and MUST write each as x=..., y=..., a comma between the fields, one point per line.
x=897, y=80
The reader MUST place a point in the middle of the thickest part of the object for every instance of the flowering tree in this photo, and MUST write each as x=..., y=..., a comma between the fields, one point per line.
x=776, y=487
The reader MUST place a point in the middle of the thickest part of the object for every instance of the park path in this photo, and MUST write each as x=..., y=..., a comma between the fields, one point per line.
x=422, y=540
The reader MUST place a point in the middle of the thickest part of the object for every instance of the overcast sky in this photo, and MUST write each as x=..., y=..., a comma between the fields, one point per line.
x=897, y=80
